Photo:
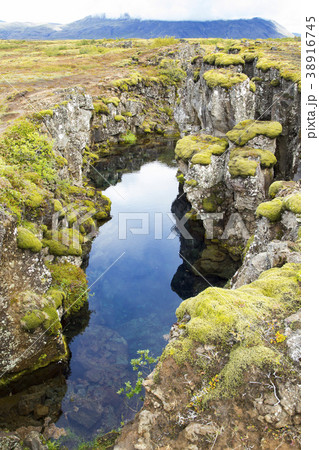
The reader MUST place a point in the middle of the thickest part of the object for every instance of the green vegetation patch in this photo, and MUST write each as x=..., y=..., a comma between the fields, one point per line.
x=271, y=210
x=218, y=315
x=228, y=60
x=249, y=129
x=71, y=280
x=27, y=240
x=223, y=78
x=199, y=149
x=293, y=203
x=243, y=161
x=282, y=188
x=129, y=138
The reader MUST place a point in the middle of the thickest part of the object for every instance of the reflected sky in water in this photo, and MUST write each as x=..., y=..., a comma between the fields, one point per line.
x=132, y=305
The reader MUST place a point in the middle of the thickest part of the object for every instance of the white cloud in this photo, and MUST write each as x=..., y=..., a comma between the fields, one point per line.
x=285, y=12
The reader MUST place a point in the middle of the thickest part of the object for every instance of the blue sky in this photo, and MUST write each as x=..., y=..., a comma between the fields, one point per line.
x=285, y=12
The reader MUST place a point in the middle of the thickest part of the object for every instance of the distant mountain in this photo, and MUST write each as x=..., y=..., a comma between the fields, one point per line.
x=98, y=27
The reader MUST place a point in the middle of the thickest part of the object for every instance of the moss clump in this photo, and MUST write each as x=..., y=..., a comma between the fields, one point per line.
x=200, y=148
x=101, y=108
x=242, y=167
x=192, y=183
x=119, y=117
x=229, y=60
x=33, y=320
x=223, y=78
x=211, y=203
x=124, y=83
x=242, y=162
x=64, y=242
x=210, y=59
x=51, y=323
x=293, y=203
x=249, y=129
x=57, y=205
x=129, y=138
x=282, y=188
x=180, y=178
x=56, y=296
x=218, y=315
x=27, y=240
x=274, y=83
x=196, y=75
x=252, y=86
x=72, y=281
x=114, y=100
x=271, y=210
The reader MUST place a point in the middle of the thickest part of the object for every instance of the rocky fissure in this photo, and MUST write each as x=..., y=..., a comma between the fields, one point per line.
x=249, y=227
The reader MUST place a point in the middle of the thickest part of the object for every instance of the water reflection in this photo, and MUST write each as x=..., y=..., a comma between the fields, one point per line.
x=133, y=305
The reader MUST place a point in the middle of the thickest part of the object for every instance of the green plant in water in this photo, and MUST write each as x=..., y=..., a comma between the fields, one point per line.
x=142, y=364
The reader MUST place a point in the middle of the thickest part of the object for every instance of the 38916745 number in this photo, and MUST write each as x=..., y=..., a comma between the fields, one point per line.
x=310, y=44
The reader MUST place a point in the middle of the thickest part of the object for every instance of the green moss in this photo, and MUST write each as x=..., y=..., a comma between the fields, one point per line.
x=223, y=78
x=243, y=161
x=218, y=315
x=56, y=296
x=228, y=60
x=129, y=138
x=211, y=203
x=27, y=240
x=57, y=205
x=256, y=79
x=180, y=178
x=275, y=187
x=52, y=323
x=196, y=75
x=271, y=210
x=200, y=148
x=41, y=114
x=250, y=57
x=249, y=129
x=57, y=248
x=293, y=203
x=275, y=83
x=210, y=59
x=114, y=100
x=32, y=320
x=72, y=281
x=170, y=71
x=252, y=86
x=242, y=167
x=192, y=183
x=241, y=360
x=119, y=117
x=101, y=108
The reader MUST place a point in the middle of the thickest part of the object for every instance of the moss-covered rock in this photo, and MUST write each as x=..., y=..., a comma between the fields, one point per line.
x=242, y=167
x=224, y=59
x=33, y=320
x=199, y=149
x=243, y=161
x=249, y=129
x=217, y=316
x=223, y=78
x=71, y=280
x=271, y=210
x=293, y=203
x=27, y=240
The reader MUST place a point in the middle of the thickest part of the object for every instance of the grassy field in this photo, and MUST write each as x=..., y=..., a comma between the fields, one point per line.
x=31, y=72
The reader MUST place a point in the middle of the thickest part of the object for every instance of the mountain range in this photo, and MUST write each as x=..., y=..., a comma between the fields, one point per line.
x=99, y=27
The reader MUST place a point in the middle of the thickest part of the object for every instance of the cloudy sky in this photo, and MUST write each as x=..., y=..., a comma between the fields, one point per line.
x=285, y=12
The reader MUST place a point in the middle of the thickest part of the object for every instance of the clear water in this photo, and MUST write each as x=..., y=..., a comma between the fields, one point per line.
x=133, y=305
